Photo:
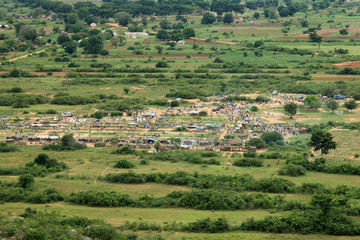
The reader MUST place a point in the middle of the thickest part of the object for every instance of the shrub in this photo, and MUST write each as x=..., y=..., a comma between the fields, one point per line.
x=123, y=163
x=5, y=147
x=124, y=150
x=208, y=225
x=249, y=154
x=248, y=162
x=26, y=180
x=292, y=170
x=174, y=104
x=272, y=137
x=161, y=64
x=256, y=142
x=104, y=52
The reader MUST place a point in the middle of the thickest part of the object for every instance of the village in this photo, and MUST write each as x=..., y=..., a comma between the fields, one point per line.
x=199, y=126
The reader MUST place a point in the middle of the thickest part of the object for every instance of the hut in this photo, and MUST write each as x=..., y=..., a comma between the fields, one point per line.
x=236, y=142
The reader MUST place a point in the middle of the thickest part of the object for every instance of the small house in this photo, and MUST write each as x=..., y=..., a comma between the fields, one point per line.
x=136, y=35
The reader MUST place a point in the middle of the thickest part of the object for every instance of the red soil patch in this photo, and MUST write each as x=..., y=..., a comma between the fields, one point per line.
x=165, y=55
x=116, y=25
x=353, y=64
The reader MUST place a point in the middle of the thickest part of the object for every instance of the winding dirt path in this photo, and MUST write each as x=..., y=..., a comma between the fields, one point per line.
x=14, y=59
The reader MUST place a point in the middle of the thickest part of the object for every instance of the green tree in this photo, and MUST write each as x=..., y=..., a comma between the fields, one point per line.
x=126, y=90
x=332, y=104
x=312, y=101
x=26, y=180
x=322, y=141
x=157, y=146
x=188, y=32
x=350, y=105
x=254, y=109
x=174, y=104
x=99, y=114
x=313, y=36
x=123, y=18
x=162, y=34
x=343, y=32
x=208, y=18
x=63, y=39
x=165, y=24
x=228, y=18
x=256, y=15
x=94, y=44
x=291, y=109
x=323, y=201
x=42, y=159
x=256, y=142
x=272, y=137
x=69, y=47
x=68, y=140
x=27, y=32
x=114, y=41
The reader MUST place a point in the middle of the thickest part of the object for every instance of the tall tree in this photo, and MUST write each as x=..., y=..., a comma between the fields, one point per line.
x=332, y=104
x=322, y=141
x=228, y=18
x=290, y=109
x=313, y=36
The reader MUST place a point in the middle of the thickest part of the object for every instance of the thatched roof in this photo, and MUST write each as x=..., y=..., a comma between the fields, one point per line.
x=236, y=141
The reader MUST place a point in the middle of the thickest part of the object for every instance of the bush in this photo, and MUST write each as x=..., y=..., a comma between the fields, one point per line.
x=248, y=162
x=5, y=147
x=207, y=225
x=174, y=104
x=256, y=142
x=161, y=64
x=249, y=154
x=26, y=180
x=124, y=150
x=123, y=163
x=292, y=170
x=104, y=52
x=272, y=137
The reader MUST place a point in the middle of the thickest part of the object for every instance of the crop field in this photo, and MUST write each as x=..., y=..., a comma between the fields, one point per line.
x=179, y=119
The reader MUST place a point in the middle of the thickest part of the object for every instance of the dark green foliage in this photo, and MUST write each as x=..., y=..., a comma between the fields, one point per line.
x=162, y=64
x=174, y=104
x=195, y=157
x=7, y=99
x=199, y=199
x=99, y=114
x=292, y=170
x=124, y=163
x=67, y=143
x=208, y=18
x=38, y=225
x=100, y=199
x=5, y=147
x=290, y=109
x=248, y=162
x=322, y=141
x=44, y=160
x=26, y=180
x=208, y=225
x=272, y=138
x=73, y=100
x=207, y=181
x=256, y=142
x=124, y=150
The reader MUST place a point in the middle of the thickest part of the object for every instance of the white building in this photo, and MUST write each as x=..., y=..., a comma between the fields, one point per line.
x=136, y=35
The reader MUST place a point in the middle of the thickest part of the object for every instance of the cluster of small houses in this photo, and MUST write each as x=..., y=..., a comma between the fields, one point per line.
x=234, y=144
